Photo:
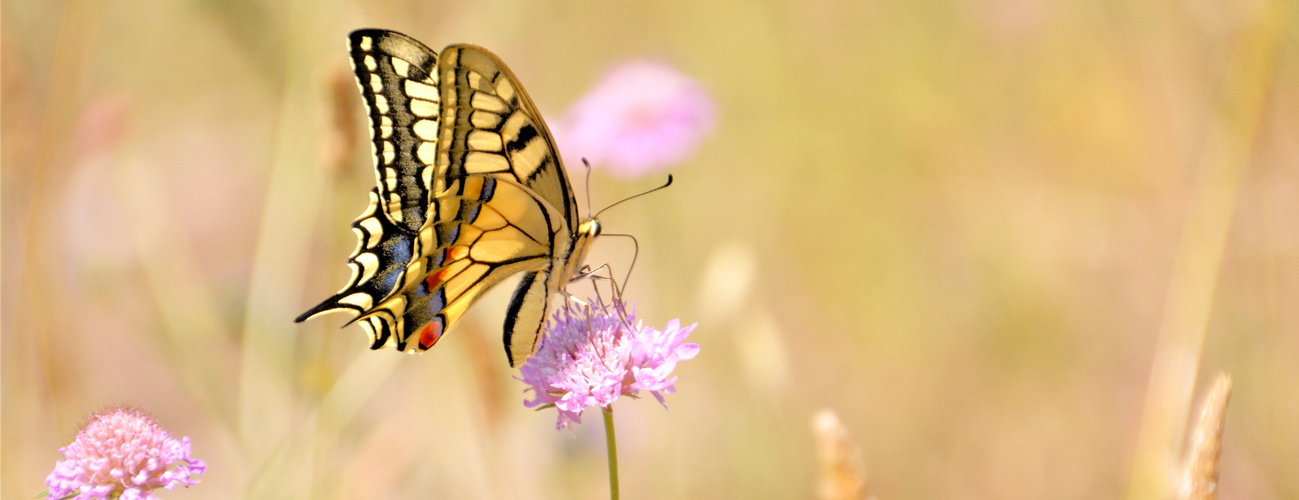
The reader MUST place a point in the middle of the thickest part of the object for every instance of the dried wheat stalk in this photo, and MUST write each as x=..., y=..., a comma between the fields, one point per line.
x=843, y=475
x=1199, y=479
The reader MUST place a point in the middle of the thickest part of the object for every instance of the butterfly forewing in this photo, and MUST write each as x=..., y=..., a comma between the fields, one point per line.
x=399, y=80
x=474, y=239
x=498, y=129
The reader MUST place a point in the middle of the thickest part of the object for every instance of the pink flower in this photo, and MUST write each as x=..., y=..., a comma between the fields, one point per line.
x=590, y=356
x=641, y=116
x=122, y=453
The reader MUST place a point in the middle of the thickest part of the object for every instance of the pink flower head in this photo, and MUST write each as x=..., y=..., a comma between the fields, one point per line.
x=641, y=116
x=590, y=356
x=122, y=453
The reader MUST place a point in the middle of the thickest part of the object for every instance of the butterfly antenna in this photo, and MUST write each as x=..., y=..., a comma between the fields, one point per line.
x=588, y=184
x=632, y=197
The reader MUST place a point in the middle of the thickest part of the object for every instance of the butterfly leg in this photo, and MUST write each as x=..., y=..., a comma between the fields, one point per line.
x=569, y=296
x=615, y=289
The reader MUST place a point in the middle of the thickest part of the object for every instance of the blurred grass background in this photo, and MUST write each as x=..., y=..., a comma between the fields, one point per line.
x=993, y=236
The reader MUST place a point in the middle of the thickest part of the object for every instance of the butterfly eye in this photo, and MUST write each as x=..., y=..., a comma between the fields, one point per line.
x=595, y=229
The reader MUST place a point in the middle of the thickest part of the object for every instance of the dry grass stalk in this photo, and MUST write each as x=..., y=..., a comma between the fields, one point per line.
x=1199, y=480
x=1248, y=81
x=843, y=475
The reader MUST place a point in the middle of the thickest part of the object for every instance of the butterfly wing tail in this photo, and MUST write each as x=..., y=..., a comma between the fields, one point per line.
x=381, y=255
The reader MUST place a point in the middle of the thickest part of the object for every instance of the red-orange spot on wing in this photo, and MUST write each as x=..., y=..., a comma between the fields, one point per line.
x=430, y=334
x=435, y=280
x=452, y=254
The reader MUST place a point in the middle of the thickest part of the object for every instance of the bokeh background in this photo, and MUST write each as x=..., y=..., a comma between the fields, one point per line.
x=1006, y=241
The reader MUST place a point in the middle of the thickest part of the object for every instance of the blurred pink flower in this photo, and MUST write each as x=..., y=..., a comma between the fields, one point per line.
x=640, y=116
x=122, y=454
x=590, y=356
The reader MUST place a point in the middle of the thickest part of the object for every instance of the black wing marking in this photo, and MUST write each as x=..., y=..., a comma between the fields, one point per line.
x=381, y=255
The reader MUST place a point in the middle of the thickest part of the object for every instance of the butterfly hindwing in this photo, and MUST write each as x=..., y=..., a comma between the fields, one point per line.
x=527, y=313
x=474, y=240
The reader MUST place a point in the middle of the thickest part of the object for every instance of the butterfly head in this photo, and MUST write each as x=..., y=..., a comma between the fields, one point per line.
x=587, y=231
x=589, y=228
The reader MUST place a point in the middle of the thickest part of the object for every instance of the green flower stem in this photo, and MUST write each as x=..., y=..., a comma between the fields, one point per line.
x=613, y=452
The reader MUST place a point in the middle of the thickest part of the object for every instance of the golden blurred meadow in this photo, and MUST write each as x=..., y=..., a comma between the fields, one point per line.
x=1008, y=243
